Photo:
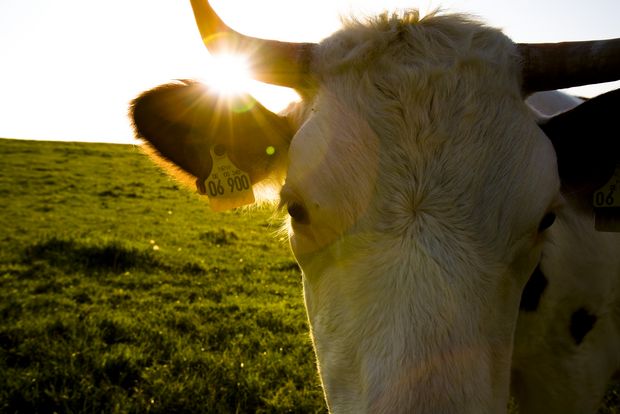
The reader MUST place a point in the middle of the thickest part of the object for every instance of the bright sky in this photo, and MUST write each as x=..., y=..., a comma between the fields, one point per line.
x=68, y=68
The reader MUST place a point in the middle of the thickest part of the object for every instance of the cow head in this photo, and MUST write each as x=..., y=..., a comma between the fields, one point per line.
x=419, y=189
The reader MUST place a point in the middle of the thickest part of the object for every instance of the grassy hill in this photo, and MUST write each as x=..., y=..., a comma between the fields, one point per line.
x=121, y=293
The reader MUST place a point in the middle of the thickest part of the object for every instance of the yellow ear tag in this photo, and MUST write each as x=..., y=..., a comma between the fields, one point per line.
x=227, y=186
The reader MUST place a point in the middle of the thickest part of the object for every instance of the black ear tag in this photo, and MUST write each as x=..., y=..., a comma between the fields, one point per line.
x=606, y=201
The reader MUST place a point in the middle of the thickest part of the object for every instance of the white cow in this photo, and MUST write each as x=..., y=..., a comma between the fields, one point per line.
x=447, y=258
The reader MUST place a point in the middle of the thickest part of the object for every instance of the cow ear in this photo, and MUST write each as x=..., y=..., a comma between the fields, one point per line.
x=587, y=143
x=181, y=122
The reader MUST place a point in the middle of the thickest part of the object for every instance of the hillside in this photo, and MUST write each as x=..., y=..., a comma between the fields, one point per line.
x=120, y=292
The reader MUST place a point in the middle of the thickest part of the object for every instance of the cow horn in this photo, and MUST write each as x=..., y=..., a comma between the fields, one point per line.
x=271, y=61
x=549, y=66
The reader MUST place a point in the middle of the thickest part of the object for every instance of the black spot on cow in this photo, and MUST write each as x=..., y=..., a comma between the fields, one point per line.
x=581, y=322
x=533, y=291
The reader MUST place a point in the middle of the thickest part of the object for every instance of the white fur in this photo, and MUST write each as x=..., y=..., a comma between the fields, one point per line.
x=425, y=178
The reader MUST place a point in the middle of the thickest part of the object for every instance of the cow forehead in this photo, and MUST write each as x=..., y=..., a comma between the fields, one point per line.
x=400, y=127
x=350, y=175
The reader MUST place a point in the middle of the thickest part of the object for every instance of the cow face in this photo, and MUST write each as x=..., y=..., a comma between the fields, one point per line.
x=418, y=187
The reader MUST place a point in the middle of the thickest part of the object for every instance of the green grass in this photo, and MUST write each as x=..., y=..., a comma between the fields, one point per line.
x=122, y=293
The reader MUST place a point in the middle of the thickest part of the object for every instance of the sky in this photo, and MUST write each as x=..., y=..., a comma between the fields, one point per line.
x=69, y=68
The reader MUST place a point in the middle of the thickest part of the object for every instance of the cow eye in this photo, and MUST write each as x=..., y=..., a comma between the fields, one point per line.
x=546, y=222
x=298, y=213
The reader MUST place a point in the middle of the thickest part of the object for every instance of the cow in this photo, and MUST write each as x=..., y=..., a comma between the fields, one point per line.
x=446, y=238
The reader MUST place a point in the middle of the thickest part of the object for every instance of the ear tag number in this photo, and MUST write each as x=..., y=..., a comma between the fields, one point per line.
x=609, y=194
x=606, y=203
x=227, y=186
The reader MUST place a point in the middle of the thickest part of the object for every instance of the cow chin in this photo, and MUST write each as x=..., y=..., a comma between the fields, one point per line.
x=435, y=347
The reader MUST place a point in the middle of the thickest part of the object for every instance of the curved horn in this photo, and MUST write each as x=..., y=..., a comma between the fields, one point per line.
x=278, y=63
x=549, y=66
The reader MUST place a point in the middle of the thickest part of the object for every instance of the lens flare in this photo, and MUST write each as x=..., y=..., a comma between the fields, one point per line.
x=229, y=74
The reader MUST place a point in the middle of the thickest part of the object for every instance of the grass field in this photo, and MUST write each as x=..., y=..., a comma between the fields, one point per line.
x=121, y=293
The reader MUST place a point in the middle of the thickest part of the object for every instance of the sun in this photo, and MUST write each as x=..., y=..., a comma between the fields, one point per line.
x=229, y=74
